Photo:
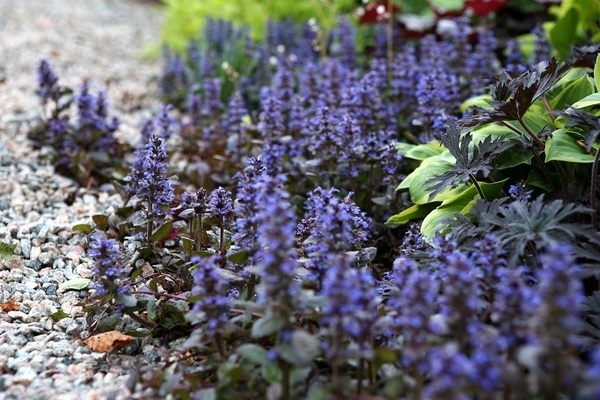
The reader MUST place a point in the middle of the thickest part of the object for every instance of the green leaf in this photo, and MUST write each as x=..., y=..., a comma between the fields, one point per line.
x=482, y=101
x=404, y=147
x=538, y=180
x=299, y=375
x=188, y=245
x=57, y=316
x=564, y=32
x=240, y=257
x=597, y=73
x=161, y=232
x=139, y=333
x=458, y=204
x=109, y=323
x=101, y=221
x=270, y=372
x=252, y=352
x=386, y=355
x=128, y=300
x=562, y=146
x=537, y=117
x=229, y=373
x=591, y=100
x=424, y=151
x=512, y=158
x=83, y=228
x=417, y=181
x=301, y=350
x=206, y=394
x=7, y=250
x=448, y=5
x=572, y=93
x=74, y=284
x=268, y=325
x=151, y=309
x=414, y=212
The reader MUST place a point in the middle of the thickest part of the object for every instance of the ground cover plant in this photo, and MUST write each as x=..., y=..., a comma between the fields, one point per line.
x=305, y=222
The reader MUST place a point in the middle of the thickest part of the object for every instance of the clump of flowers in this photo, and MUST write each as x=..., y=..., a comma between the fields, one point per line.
x=110, y=270
x=85, y=148
x=149, y=184
x=282, y=276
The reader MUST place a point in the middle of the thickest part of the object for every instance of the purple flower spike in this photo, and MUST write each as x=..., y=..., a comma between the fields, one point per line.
x=211, y=288
x=147, y=179
x=47, y=81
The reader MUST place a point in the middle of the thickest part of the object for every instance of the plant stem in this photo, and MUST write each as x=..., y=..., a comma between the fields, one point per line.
x=199, y=233
x=359, y=377
x=222, y=238
x=559, y=169
x=285, y=380
x=593, y=188
x=149, y=225
x=250, y=287
x=419, y=387
x=156, y=294
x=476, y=184
x=220, y=347
x=535, y=155
x=549, y=109
x=141, y=320
x=531, y=133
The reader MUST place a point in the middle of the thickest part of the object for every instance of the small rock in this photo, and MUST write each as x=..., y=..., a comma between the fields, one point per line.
x=47, y=258
x=19, y=315
x=50, y=288
x=26, y=247
x=24, y=376
x=35, y=265
x=35, y=252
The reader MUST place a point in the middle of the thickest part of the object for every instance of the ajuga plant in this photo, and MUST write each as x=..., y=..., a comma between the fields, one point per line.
x=85, y=148
x=250, y=244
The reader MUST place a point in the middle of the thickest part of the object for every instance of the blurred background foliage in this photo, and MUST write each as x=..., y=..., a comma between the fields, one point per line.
x=185, y=18
x=568, y=22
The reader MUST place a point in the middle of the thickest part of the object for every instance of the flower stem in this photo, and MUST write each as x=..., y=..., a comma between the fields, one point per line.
x=360, y=375
x=285, y=380
x=220, y=347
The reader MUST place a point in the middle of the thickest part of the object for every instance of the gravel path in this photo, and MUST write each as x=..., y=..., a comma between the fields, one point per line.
x=98, y=40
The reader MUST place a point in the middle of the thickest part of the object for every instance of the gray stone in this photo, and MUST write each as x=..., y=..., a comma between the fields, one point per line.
x=35, y=252
x=18, y=315
x=26, y=247
x=50, y=288
x=47, y=258
x=35, y=265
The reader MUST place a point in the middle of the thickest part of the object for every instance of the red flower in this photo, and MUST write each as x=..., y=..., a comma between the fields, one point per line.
x=484, y=7
x=373, y=12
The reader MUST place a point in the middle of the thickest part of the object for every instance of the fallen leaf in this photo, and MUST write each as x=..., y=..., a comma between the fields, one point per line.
x=74, y=284
x=107, y=341
x=10, y=305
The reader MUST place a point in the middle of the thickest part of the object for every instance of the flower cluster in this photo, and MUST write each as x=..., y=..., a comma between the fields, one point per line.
x=85, y=146
x=333, y=226
x=148, y=178
x=109, y=267
x=276, y=261
x=213, y=304
x=350, y=308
